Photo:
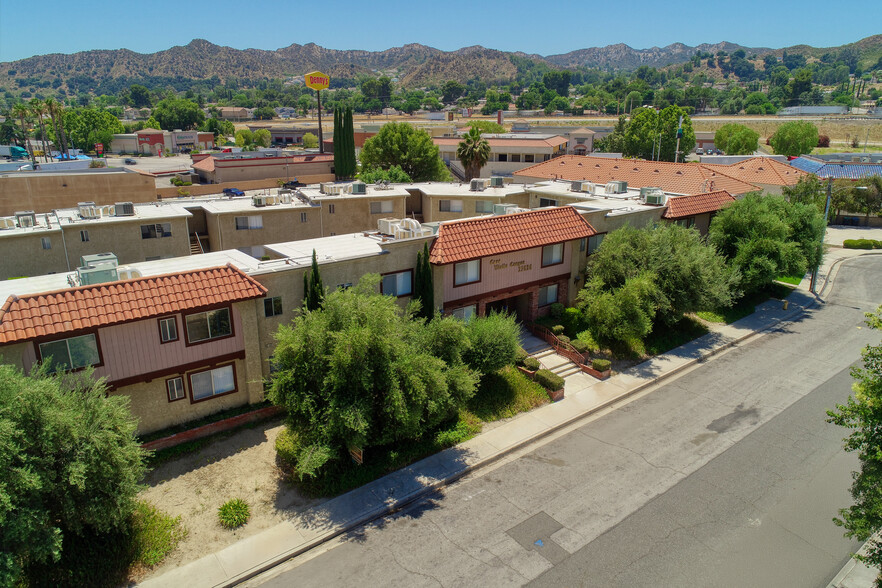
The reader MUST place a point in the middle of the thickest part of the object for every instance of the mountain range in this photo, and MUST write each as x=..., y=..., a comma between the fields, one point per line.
x=414, y=64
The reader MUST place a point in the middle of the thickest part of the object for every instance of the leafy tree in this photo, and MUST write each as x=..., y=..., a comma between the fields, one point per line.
x=862, y=414
x=451, y=91
x=139, y=96
x=765, y=236
x=559, y=81
x=344, y=144
x=407, y=147
x=244, y=138
x=394, y=174
x=794, y=138
x=474, y=152
x=615, y=141
x=357, y=373
x=867, y=196
x=262, y=137
x=264, y=113
x=313, y=289
x=808, y=190
x=486, y=126
x=493, y=342
x=310, y=141
x=178, y=113
x=735, y=139
x=649, y=128
x=424, y=284
x=71, y=467
x=220, y=127
x=87, y=126
x=622, y=315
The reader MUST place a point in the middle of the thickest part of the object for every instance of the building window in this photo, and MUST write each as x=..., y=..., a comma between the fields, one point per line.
x=528, y=158
x=516, y=157
x=46, y=243
x=246, y=223
x=464, y=313
x=272, y=306
x=156, y=231
x=546, y=157
x=345, y=286
x=594, y=242
x=72, y=353
x=175, y=388
x=580, y=141
x=382, y=207
x=168, y=329
x=303, y=217
x=450, y=205
x=552, y=254
x=483, y=206
x=583, y=242
x=213, y=324
x=543, y=202
x=687, y=222
x=84, y=236
x=397, y=284
x=210, y=383
x=330, y=209
x=502, y=157
x=547, y=295
x=467, y=272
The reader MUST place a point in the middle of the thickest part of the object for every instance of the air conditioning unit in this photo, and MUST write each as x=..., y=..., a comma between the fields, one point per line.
x=507, y=208
x=99, y=274
x=26, y=218
x=7, y=223
x=331, y=189
x=588, y=187
x=359, y=188
x=576, y=186
x=271, y=199
x=285, y=198
x=107, y=210
x=477, y=185
x=97, y=259
x=124, y=209
x=258, y=200
x=127, y=273
x=497, y=182
x=89, y=210
x=655, y=197
x=616, y=187
x=387, y=226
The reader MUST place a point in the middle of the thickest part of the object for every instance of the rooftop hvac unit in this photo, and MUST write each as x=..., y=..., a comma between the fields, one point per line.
x=409, y=228
x=588, y=187
x=98, y=259
x=26, y=218
x=648, y=190
x=331, y=189
x=478, y=184
x=258, y=200
x=99, y=274
x=576, y=186
x=653, y=196
x=271, y=199
x=497, y=182
x=7, y=223
x=387, y=226
x=507, y=208
x=285, y=198
x=382, y=185
x=359, y=188
x=107, y=210
x=127, y=273
x=616, y=187
x=124, y=209
x=89, y=210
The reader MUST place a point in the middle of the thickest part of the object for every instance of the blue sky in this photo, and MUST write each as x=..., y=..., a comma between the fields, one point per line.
x=545, y=28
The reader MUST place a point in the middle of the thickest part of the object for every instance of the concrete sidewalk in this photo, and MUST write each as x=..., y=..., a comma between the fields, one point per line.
x=584, y=395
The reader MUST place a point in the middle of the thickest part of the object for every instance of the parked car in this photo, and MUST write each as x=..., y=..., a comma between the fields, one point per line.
x=293, y=184
x=699, y=151
x=129, y=161
x=233, y=192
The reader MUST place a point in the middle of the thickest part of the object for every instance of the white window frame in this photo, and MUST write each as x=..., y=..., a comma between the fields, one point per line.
x=552, y=254
x=174, y=388
x=218, y=380
x=274, y=308
x=211, y=336
x=544, y=299
x=249, y=223
x=450, y=206
x=382, y=207
x=467, y=272
x=403, y=281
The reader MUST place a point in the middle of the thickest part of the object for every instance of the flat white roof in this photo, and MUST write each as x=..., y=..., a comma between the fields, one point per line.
x=464, y=189
x=313, y=192
x=327, y=249
x=618, y=203
x=144, y=213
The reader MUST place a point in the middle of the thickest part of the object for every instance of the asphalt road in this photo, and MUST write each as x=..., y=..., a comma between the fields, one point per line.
x=727, y=476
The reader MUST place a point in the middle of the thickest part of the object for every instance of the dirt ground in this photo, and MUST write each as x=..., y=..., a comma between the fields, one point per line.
x=195, y=485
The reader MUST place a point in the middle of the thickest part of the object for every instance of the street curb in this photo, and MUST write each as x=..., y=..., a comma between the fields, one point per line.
x=831, y=275
x=407, y=500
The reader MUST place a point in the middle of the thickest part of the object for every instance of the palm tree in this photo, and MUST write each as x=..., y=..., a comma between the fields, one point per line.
x=56, y=113
x=22, y=112
x=473, y=151
x=39, y=109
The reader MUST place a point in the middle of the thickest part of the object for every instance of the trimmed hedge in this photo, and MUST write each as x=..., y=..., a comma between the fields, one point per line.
x=862, y=244
x=579, y=345
x=532, y=364
x=563, y=338
x=556, y=311
x=521, y=355
x=557, y=329
x=548, y=380
x=601, y=365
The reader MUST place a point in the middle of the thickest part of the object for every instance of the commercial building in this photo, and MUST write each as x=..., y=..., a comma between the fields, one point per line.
x=259, y=165
x=285, y=134
x=156, y=142
x=509, y=152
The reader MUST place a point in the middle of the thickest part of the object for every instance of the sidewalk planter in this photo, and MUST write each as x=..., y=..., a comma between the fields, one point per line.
x=599, y=368
x=529, y=366
x=526, y=372
x=553, y=384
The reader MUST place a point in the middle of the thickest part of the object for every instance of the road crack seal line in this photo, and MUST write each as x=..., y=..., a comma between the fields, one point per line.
x=638, y=454
x=478, y=560
x=410, y=571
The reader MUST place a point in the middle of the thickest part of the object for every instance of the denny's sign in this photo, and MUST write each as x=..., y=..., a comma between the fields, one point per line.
x=317, y=80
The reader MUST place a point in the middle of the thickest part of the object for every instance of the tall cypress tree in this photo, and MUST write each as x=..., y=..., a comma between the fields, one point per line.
x=313, y=289
x=349, y=131
x=424, y=286
x=338, y=144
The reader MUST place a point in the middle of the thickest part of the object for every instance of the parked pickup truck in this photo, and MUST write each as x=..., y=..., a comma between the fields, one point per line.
x=233, y=192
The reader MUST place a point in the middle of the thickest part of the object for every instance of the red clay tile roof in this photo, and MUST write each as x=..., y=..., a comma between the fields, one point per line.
x=206, y=164
x=686, y=206
x=677, y=178
x=100, y=305
x=761, y=170
x=492, y=235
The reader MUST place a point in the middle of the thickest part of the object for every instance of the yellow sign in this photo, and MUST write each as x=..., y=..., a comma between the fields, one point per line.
x=317, y=80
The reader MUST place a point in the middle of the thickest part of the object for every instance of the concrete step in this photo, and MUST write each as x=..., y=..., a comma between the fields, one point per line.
x=567, y=370
x=543, y=353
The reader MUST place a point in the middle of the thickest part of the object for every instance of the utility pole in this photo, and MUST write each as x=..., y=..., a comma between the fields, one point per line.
x=679, y=134
x=826, y=212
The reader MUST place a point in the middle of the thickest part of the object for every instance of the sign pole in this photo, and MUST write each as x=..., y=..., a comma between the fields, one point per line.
x=318, y=82
x=318, y=97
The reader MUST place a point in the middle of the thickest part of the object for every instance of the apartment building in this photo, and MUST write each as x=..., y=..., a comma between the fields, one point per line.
x=509, y=152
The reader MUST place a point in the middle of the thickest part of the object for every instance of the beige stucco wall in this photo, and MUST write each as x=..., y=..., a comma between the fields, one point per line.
x=258, y=169
x=431, y=205
x=44, y=192
x=353, y=214
x=22, y=255
x=281, y=223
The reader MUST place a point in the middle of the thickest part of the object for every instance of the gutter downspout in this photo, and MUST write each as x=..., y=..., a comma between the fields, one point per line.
x=63, y=241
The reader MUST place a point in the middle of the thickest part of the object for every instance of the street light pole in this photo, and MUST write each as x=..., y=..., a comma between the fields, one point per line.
x=824, y=234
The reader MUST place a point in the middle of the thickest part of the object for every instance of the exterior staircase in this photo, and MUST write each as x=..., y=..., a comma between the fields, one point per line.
x=198, y=244
x=557, y=364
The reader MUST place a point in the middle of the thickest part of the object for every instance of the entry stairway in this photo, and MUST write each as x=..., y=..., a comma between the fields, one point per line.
x=198, y=244
x=544, y=352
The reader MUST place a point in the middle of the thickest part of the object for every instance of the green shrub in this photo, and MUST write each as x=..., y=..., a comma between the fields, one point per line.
x=521, y=355
x=563, y=338
x=233, y=513
x=862, y=244
x=556, y=310
x=557, y=329
x=155, y=534
x=587, y=338
x=548, y=380
x=504, y=394
x=601, y=365
x=532, y=364
x=462, y=431
x=579, y=345
x=572, y=321
x=287, y=446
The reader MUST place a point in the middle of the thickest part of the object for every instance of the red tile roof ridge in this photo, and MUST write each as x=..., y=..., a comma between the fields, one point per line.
x=693, y=204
